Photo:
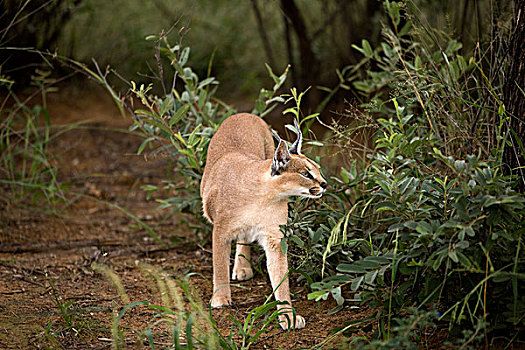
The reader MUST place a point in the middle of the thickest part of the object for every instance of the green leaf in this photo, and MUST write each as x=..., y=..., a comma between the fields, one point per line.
x=143, y=144
x=178, y=115
x=284, y=245
x=318, y=295
x=278, y=80
x=189, y=336
x=354, y=46
x=371, y=276
x=206, y=82
x=405, y=29
x=453, y=256
x=335, y=309
x=350, y=268
x=378, y=259
x=453, y=45
x=356, y=283
x=315, y=236
x=152, y=38
x=165, y=106
x=460, y=165
x=184, y=55
x=336, y=294
x=292, y=110
x=368, y=263
x=362, y=86
x=464, y=260
x=367, y=49
x=424, y=227
x=418, y=63
x=385, y=206
x=297, y=241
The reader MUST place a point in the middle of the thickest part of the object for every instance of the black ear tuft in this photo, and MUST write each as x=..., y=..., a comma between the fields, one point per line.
x=296, y=147
x=281, y=158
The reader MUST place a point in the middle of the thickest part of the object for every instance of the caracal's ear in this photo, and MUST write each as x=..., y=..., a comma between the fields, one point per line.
x=281, y=156
x=296, y=147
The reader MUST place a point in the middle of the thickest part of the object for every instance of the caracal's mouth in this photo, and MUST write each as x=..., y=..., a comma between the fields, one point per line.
x=314, y=193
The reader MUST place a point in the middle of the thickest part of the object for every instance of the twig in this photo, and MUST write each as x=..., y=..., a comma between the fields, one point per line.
x=11, y=292
x=44, y=247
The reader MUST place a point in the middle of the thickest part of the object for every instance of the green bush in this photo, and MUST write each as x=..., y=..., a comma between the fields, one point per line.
x=433, y=224
x=179, y=123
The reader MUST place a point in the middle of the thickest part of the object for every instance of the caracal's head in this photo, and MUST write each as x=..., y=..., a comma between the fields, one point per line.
x=295, y=174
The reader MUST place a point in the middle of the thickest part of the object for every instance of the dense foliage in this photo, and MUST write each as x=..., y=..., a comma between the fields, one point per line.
x=435, y=224
x=179, y=124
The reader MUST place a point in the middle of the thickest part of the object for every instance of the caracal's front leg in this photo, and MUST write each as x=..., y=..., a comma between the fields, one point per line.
x=221, y=247
x=242, y=270
x=277, y=264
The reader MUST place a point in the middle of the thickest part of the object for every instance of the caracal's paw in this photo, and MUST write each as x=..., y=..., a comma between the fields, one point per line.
x=242, y=273
x=218, y=301
x=286, y=321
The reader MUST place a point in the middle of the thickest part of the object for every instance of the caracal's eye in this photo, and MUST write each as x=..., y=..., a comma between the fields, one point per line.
x=307, y=175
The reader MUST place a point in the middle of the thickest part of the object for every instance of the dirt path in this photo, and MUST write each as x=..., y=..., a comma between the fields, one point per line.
x=49, y=294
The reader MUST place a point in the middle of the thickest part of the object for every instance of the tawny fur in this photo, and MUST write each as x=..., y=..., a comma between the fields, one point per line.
x=246, y=203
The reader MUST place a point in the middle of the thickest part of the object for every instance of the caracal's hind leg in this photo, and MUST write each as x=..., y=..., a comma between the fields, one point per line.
x=221, y=269
x=242, y=270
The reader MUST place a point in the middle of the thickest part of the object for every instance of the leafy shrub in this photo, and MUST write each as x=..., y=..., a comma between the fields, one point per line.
x=434, y=222
x=179, y=124
x=182, y=123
